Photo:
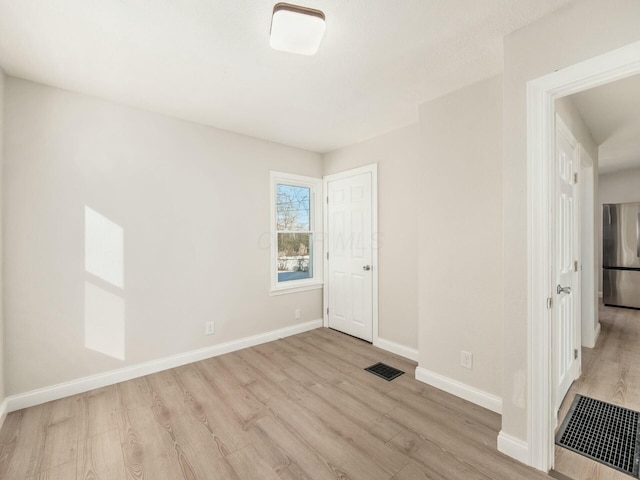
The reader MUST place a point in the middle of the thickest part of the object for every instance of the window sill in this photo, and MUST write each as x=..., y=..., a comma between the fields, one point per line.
x=295, y=289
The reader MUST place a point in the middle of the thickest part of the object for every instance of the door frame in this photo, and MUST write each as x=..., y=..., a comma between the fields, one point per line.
x=589, y=325
x=373, y=170
x=541, y=96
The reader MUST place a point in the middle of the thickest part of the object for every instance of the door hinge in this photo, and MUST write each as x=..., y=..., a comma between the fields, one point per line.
x=549, y=303
x=327, y=200
x=575, y=265
x=327, y=255
x=327, y=310
x=575, y=178
x=575, y=353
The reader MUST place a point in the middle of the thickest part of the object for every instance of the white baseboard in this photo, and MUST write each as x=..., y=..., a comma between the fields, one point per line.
x=596, y=334
x=61, y=390
x=398, y=349
x=591, y=342
x=513, y=447
x=4, y=409
x=459, y=389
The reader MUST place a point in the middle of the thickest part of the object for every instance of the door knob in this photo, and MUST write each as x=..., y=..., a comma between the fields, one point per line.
x=367, y=267
x=562, y=289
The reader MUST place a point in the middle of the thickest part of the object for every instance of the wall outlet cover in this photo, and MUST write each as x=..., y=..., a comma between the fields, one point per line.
x=466, y=359
x=209, y=328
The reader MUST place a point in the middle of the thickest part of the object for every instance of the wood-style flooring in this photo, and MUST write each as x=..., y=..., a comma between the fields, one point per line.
x=611, y=373
x=297, y=408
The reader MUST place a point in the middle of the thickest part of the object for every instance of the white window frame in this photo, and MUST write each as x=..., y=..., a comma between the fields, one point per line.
x=315, y=187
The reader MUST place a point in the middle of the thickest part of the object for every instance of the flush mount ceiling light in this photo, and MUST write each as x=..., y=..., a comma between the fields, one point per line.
x=296, y=29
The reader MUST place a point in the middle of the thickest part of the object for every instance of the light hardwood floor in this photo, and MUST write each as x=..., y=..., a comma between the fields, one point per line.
x=298, y=408
x=611, y=373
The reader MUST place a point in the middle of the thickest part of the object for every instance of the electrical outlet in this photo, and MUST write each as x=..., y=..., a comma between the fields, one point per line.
x=209, y=328
x=466, y=360
x=298, y=314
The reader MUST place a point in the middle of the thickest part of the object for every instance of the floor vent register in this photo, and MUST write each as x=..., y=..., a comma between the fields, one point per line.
x=603, y=432
x=384, y=371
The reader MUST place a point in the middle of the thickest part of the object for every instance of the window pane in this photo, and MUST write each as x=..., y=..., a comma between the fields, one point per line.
x=295, y=258
x=293, y=205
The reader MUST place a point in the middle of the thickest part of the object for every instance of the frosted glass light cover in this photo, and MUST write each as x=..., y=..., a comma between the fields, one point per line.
x=296, y=29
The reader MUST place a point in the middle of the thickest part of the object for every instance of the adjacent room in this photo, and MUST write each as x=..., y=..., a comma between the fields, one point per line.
x=603, y=121
x=321, y=240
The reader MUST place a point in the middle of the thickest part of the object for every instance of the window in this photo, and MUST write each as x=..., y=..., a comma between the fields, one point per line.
x=296, y=255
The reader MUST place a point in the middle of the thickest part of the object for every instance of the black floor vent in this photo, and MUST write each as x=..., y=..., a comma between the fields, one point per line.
x=603, y=432
x=384, y=371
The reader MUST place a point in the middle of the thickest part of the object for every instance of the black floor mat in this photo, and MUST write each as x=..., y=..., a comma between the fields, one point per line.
x=384, y=371
x=603, y=432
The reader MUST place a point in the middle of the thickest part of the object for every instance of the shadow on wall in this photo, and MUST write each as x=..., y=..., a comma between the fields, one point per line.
x=104, y=305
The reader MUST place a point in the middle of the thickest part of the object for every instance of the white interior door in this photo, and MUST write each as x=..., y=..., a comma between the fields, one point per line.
x=350, y=255
x=566, y=255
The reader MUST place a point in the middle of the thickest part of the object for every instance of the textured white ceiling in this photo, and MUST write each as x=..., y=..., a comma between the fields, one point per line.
x=612, y=114
x=209, y=61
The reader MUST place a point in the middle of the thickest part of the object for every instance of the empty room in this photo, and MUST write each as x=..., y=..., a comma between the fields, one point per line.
x=317, y=240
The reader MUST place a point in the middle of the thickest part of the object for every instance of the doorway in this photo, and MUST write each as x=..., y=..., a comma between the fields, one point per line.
x=351, y=260
x=542, y=94
x=607, y=118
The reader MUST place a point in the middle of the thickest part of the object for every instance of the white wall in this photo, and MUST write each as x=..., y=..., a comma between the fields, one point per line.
x=188, y=204
x=396, y=154
x=570, y=115
x=574, y=33
x=460, y=231
x=2, y=347
x=615, y=187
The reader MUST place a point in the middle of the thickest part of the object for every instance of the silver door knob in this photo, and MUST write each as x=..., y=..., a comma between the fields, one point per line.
x=562, y=289
x=367, y=267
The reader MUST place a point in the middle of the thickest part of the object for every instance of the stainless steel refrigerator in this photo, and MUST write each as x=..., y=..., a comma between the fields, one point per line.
x=621, y=254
